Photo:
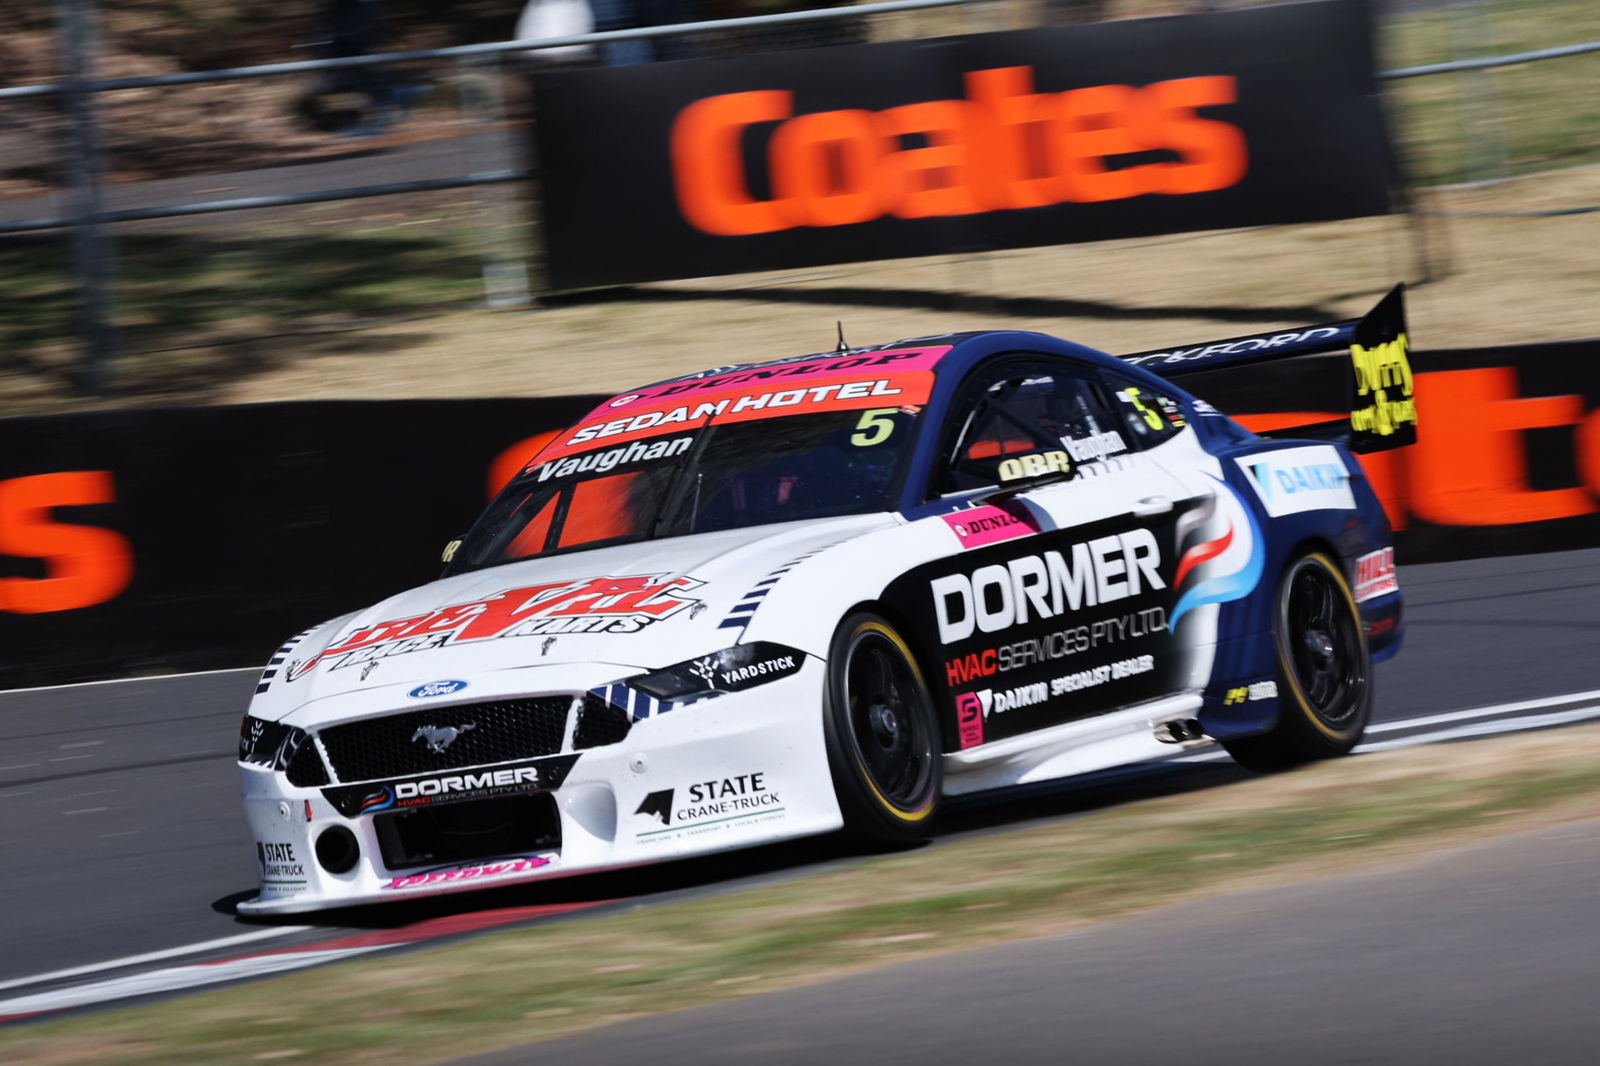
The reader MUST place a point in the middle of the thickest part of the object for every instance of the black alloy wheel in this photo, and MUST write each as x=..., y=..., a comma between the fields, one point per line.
x=1325, y=649
x=882, y=734
x=1325, y=687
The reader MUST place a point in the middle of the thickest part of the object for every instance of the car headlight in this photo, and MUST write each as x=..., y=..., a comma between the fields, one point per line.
x=269, y=744
x=729, y=670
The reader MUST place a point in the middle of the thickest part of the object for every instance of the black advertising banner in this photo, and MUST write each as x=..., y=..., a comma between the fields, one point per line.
x=1043, y=136
x=197, y=538
x=201, y=538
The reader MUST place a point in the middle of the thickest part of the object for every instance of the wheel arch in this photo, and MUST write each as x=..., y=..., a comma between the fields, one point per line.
x=902, y=626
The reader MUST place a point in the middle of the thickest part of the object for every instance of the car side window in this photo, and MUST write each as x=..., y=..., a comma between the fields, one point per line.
x=1026, y=419
x=1149, y=415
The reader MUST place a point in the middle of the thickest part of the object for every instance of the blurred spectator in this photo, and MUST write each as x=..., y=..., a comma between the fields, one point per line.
x=356, y=28
x=826, y=32
x=637, y=14
x=543, y=19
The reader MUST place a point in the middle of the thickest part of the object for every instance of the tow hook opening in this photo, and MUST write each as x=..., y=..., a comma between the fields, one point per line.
x=337, y=850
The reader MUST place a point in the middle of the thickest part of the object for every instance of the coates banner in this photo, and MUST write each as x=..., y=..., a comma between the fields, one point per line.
x=1001, y=140
x=198, y=538
x=1507, y=458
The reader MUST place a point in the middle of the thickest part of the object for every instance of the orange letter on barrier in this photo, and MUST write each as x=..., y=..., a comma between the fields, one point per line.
x=827, y=169
x=937, y=180
x=86, y=565
x=1469, y=467
x=1095, y=123
x=708, y=163
x=1214, y=153
x=510, y=462
x=1018, y=131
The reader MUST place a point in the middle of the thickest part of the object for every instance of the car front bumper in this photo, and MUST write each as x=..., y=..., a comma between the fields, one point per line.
x=736, y=771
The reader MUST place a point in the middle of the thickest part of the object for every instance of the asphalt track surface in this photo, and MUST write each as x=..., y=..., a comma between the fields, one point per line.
x=1480, y=957
x=122, y=833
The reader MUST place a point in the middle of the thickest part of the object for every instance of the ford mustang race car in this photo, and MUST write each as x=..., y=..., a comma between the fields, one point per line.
x=787, y=598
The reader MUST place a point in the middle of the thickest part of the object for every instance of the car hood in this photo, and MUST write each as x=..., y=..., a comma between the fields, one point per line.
x=598, y=614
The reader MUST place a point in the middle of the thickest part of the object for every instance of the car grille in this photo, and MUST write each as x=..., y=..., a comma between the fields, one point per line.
x=395, y=746
x=600, y=723
x=305, y=769
x=462, y=832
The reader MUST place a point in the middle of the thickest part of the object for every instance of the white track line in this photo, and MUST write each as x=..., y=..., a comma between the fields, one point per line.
x=156, y=956
x=1484, y=712
x=174, y=978
x=1482, y=729
x=1505, y=725
x=127, y=680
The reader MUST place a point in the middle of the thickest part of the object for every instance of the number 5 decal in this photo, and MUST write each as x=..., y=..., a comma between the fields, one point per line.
x=875, y=427
x=1151, y=419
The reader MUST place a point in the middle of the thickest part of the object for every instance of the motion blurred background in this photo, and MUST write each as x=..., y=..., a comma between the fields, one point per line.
x=371, y=296
x=279, y=311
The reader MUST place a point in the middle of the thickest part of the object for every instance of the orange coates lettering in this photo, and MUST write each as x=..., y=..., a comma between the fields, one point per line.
x=1004, y=147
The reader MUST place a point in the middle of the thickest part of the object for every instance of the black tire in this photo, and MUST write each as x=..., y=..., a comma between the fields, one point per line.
x=882, y=735
x=1325, y=684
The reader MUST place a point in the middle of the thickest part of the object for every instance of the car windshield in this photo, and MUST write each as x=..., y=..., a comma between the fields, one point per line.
x=722, y=476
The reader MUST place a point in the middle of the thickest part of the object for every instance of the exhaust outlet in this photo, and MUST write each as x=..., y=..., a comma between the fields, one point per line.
x=1180, y=731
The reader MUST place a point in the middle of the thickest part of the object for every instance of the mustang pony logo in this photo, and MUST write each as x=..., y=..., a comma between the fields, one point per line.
x=441, y=737
x=586, y=605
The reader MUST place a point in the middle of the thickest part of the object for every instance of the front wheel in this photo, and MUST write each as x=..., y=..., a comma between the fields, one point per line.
x=1324, y=671
x=882, y=734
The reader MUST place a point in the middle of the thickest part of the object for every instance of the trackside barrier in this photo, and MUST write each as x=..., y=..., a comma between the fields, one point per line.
x=202, y=538
x=1019, y=138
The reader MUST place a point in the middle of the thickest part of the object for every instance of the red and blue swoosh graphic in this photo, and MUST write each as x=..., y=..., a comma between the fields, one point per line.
x=380, y=800
x=1220, y=588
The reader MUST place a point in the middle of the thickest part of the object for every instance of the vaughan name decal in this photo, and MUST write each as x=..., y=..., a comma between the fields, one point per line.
x=590, y=605
x=997, y=597
x=638, y=451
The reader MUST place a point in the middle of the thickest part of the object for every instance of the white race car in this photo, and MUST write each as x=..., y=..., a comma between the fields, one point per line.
x=782, y=599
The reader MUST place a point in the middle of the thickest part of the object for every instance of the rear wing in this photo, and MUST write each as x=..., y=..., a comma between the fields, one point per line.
x=1380, y=398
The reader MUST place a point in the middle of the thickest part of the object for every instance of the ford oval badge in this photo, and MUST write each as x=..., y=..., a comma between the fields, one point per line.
x=436, y=688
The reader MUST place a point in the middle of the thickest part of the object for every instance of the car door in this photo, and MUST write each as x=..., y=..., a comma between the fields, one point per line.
x=1052, y=605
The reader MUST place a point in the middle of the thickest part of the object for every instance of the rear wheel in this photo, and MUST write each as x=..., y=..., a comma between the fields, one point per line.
x=1324, y=670
x=882, y=734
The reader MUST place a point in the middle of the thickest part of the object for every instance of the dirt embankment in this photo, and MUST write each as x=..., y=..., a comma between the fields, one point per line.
x=1502, y=279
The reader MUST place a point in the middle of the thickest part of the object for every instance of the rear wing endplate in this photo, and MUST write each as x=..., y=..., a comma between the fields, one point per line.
x=1381, y=398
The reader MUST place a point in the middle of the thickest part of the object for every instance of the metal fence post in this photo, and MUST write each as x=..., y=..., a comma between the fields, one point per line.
x=501, y=229
x=1483, y=132
x=93, y=249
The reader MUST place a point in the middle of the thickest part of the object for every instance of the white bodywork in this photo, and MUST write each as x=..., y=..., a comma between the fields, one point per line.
x=757, y=755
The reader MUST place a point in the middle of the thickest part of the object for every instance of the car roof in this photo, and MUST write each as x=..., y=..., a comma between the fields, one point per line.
x=966, y=349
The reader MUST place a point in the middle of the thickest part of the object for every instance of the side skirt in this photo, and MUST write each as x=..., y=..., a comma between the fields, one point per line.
x=1124, y=736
